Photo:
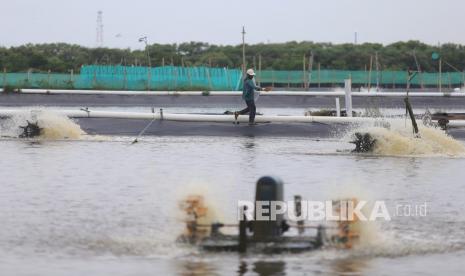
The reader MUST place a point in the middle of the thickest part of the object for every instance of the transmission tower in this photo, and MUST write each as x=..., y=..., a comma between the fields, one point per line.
x=99, y=29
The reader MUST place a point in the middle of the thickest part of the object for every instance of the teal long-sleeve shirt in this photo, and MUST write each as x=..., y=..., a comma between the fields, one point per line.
x=248, y=89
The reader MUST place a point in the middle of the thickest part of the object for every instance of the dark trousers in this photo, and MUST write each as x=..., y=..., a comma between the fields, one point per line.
x=251, y=109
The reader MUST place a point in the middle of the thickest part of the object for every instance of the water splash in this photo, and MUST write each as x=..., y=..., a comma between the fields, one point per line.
x=398, y=140
x=54, y=126
x=392, y=238
x=214, y=212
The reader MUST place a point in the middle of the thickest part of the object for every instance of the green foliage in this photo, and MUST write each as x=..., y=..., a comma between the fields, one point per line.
x=61, y=57
x=10, y=89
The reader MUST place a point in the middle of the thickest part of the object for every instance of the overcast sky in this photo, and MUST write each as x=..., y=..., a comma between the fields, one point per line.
x=220, y=21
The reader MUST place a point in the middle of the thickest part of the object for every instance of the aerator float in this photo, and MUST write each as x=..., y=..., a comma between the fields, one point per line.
x=265, y=236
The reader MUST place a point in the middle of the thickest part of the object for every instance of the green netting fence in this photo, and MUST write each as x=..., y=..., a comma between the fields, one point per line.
x=161, y=78
x=359, y=78
x=220, y=79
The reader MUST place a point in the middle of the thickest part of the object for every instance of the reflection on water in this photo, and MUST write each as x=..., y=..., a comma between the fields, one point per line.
x=269, y=268
x=352, y=266
x=244, y=267
x=249, y=143
x=187, y=267
x=274, y=267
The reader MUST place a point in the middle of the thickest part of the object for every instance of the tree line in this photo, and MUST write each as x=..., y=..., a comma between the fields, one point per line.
x=62, y=57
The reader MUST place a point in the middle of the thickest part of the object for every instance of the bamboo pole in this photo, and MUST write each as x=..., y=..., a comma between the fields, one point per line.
x=333, y=77
x=48, y=78
x=377, y=72
x=260, y=70
x=422, y=86
x=175, y=79
x=393, y=80
x=369, y=73
x=125, y=80
x=94, y=79
x=310, y=69
x=450, y=80
x=228, y=79
x=272, y=78
x=463, y=78
x=408, y=80
x=440, y=74
x=304, y=71
x=4, y=77
x=149, y=71
x=288, y=80
x=149, y=77
x=209, y=79
x=348, y=96
x=319, y=72
x=189, y=76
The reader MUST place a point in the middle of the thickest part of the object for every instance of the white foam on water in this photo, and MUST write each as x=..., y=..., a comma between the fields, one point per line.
x=147, y=245
x=398, y=140
x=54, y=126
x=58, y=127
x=385, y=238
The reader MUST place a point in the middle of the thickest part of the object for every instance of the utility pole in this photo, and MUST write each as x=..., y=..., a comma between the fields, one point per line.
x=145, y=40
x=149, y=71
x=243, y=51
x=99, y=29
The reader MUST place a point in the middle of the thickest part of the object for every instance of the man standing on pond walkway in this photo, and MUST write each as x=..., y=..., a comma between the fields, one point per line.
x=248, y=93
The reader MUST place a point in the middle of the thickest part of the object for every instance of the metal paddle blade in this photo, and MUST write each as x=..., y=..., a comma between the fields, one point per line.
x=364, y=142
x=30, y=130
